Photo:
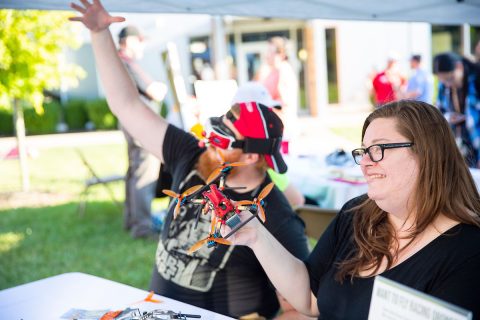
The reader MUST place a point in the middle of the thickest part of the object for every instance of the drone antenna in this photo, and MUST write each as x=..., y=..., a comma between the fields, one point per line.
x=221, y=184
x=234, y=188
x=198, y=213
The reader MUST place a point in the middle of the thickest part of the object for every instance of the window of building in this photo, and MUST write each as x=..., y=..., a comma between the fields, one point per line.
x=446, y=38
x=252, y=46
x=200, y=60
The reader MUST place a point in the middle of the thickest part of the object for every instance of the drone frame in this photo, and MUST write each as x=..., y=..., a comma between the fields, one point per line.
x=207, y=204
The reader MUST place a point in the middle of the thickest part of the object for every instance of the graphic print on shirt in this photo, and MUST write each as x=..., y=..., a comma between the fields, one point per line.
x=196, y=271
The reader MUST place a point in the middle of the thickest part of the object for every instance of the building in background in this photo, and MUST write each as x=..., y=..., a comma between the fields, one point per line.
x=334, y=60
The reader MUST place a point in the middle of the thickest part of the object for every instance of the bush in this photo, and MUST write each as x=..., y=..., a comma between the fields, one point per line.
x=42, y=123
x=101, y=116
x=76, y=114
x=6, y=122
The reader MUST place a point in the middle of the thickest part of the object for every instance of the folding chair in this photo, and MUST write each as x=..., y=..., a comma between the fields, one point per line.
x=316, y=219
x=96, y=180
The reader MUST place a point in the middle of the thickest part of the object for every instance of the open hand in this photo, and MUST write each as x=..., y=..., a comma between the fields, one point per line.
x=95, y=17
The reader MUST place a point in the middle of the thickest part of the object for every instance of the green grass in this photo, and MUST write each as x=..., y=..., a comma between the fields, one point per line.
x=38, y=242
x=61, y=169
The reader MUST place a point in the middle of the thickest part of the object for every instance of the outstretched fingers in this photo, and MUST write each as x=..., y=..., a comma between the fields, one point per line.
x=117, y=19
x=94, y=16
x=75, y=6
x=76, y=19
x=85, y=3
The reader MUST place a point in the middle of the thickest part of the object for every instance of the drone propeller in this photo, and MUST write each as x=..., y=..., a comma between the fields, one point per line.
x=225, y=166
x=257, y=202
x=149, y=298
x=265, y=192
x=213, y=236
x=180, y=197
x=200, y=243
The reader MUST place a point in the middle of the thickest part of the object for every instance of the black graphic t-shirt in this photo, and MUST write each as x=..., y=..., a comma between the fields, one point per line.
x=228, y=279
x=446, y=268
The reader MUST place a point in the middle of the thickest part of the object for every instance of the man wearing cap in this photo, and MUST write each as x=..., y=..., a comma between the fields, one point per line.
x=143, y=167
x=227, y=279
x=255, y=91
x=458, y=98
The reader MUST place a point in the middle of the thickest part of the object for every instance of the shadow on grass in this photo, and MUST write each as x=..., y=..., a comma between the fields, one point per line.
x=41, y=242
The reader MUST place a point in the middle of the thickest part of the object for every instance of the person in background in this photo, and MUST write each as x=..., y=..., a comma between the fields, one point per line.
x=228, y=279
x=143, y=167
x=420, y=84
x=458, y=99
x=279, y=77
x=418, y=225
x=255, y=91
x=387, y=84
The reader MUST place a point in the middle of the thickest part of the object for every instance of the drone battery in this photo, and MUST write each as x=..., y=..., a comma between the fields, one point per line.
x=233, y=221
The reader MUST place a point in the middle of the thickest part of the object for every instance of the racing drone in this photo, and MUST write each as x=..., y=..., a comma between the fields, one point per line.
x=210, y=198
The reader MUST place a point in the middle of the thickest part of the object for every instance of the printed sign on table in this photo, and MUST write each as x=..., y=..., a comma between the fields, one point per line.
x=394, y=301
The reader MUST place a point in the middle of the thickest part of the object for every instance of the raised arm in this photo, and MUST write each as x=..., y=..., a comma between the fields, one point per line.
x=122, y=95
x=288, y=274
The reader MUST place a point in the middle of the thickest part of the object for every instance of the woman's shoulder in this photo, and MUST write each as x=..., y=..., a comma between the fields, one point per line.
x=463, y=232
x=349, y=207
x=355, y=201
x=460, y=242
x=342, y=225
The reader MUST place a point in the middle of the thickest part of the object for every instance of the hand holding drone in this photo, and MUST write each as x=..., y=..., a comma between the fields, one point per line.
x=224, y=211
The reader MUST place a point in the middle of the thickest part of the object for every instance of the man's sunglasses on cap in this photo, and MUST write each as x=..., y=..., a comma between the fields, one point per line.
x=218, y=134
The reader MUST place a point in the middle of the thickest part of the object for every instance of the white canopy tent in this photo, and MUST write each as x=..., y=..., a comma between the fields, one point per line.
x=433, y=11
x=444, y=12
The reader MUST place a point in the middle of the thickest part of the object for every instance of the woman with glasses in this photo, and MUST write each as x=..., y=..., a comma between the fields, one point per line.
x=419, y=224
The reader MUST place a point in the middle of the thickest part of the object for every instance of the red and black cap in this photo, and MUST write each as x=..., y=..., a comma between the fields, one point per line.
x=262, y=130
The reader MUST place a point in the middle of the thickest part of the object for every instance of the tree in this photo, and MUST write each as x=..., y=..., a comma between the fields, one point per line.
x=32, y=59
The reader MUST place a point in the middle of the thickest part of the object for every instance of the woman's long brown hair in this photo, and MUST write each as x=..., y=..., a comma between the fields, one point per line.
x=444, y=186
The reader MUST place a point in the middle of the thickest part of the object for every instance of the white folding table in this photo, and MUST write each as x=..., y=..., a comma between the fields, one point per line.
x=50, y=298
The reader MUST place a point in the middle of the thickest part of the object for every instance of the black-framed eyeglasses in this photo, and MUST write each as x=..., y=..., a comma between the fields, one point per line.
x=375, y=151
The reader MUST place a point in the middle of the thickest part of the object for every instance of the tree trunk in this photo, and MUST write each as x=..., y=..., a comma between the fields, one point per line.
x=21, y=144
